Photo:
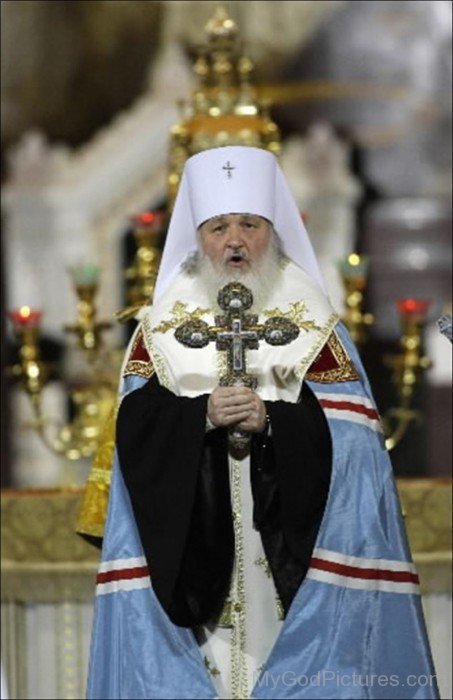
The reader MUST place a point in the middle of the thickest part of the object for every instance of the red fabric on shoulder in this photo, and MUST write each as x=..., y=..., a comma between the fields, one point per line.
x=139, y=353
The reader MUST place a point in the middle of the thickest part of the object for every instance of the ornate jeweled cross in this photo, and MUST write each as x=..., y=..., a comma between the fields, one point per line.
x=235, y=331
x=228, y=167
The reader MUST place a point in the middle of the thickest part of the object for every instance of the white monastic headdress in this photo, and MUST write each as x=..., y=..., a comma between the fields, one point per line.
x=233, y=180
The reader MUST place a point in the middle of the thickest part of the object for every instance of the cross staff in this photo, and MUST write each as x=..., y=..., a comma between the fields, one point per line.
x=235, y=332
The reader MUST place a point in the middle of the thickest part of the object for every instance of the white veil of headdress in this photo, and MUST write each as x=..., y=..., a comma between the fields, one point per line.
x=227, y=180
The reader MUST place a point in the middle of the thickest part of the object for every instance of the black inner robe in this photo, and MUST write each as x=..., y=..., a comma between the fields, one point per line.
x=177, y=476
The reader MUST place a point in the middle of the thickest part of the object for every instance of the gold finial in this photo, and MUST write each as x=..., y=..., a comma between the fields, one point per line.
x=220, y=25
x=224, y=108
x=202, y=69
x=245, y=67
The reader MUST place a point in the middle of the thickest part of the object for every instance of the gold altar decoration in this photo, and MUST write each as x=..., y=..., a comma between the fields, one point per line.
x=354, y=277
x=141, y=276
x=225, y=109
x=407, y=365
x=43, y=559
x=48, y=578
x=95, y=498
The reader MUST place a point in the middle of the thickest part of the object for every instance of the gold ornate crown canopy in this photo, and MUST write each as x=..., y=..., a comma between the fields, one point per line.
x=224, y=110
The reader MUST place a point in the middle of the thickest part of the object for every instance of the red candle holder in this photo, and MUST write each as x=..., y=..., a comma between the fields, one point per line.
x=25, y=318
x=415, y=309
x=150, y=220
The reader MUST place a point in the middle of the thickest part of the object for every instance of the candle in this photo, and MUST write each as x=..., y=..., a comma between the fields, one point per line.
x=148, y=219
x=84, y=274
x=25, y=317
x=413, y=308
x=354, y=266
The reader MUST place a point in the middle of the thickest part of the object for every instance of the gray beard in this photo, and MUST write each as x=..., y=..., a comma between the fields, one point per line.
x=262, y=279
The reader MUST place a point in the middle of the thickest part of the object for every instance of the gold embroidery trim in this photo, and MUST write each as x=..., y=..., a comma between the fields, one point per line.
x=261, y=561
x=226, y=620
x=93, y=508
x=325, y=331
x=345, y=372
x=180, y=315
x=100, y=476
x=211, y=669
x=144, y=368
x=295, y=313
x=239, y=685
x=140, y=367
x=157, y=359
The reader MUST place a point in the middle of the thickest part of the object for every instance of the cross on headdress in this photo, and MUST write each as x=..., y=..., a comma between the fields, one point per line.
x=228, y=167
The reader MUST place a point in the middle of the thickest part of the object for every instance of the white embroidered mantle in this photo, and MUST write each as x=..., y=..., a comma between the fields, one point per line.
x=191, y=372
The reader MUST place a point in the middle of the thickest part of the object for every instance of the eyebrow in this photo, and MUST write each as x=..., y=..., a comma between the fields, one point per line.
x=215, y=220
x=251, y=216
x=220, y=219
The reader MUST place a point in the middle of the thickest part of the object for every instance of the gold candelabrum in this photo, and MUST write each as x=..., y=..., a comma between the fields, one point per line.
x=407, y=367
x=354, y=275
x=94, y=393
x=409, y=364
x=141, y=275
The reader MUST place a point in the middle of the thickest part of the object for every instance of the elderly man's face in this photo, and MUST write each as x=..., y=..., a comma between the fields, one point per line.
x=236, y=241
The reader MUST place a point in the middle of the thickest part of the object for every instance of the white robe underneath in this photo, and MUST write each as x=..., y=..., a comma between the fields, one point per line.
x=234, y=656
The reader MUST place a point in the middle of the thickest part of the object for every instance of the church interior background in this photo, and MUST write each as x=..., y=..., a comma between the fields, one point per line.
x=100, y=106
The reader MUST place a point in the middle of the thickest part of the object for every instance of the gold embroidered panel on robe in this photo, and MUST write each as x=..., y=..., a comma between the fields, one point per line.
x=332, y=364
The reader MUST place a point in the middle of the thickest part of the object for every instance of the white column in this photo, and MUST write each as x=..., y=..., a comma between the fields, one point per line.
x=317, y=167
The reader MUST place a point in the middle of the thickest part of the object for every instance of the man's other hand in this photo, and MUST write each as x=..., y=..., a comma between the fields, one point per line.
x=238, y=406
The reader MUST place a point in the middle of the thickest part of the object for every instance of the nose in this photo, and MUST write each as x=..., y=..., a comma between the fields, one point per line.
x=235, y=237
